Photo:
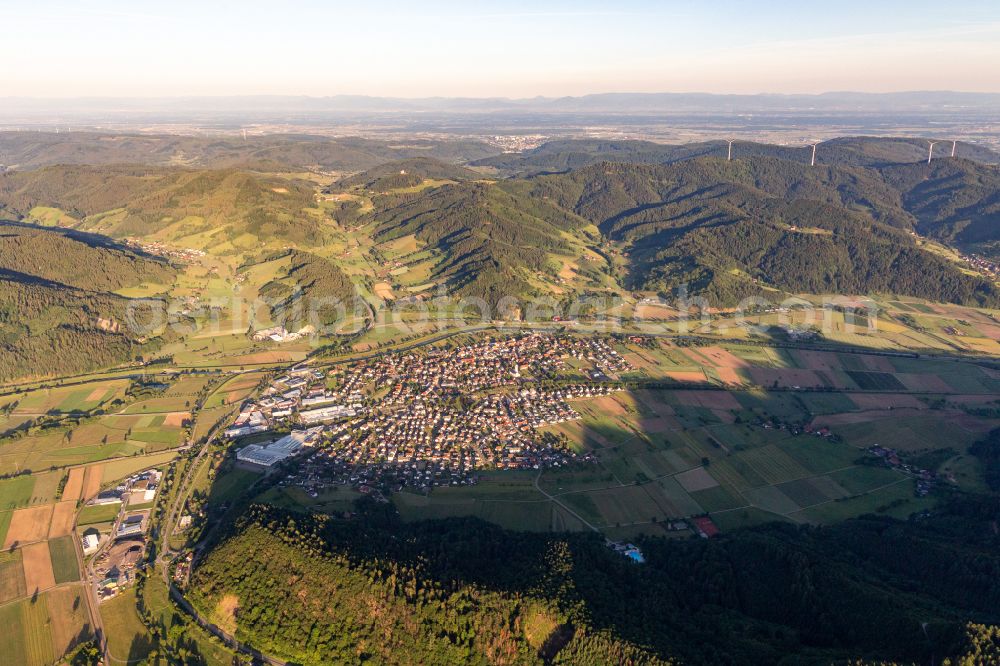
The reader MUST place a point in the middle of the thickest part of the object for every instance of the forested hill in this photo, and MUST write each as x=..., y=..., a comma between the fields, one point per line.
x=956, y=201
x=56, y=313
x=31, y=150
x=84, y=261
x=120, y=201
x=563, y=155
x=729, y=229
x=317, y=590
x=492, y=237
x=762, y=225
x=725, y=229
x=404, y=174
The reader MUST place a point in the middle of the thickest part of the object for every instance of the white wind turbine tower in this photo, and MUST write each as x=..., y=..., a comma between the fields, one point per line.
x=954, y=144
x=244, y=135
x=729, y=155
x=812, y=162
x=930, y=150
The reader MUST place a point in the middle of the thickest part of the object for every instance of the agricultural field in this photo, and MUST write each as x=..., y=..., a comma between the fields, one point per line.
x=74, y=398
x=234, y=390
x=39, y=630
x=91, y=515
x=128, y=637
x=740, y=455
x=123, y=426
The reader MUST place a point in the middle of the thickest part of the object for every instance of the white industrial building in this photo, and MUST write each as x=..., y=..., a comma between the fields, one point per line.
x=330, y=413
x=90, y=543
x=275, y=452
x=249, y=422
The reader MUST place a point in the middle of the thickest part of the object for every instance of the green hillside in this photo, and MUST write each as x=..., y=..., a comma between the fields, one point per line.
x=490, y=236
x=729, y=228
x=461, y=590
x=956, y=201
x=762, y=226
x=310, y=292
x=51, y=329
x=404, y=174
x=141, y=201
x=56, y=313
x=726, y=230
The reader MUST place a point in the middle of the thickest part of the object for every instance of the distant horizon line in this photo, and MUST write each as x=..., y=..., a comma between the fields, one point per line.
x=529, y=98
x=907, y=91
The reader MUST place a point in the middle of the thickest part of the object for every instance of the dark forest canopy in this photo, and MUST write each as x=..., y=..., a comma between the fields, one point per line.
x=465, y=591
x=86, y=261
x=725, y=229
x=57, y=312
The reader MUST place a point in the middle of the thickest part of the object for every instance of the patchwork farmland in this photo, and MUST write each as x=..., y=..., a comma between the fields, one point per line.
x=765, y=434
x=59, y=447
x=733, y=429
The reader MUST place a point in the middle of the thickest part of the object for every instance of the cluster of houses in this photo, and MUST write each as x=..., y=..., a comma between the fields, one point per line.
x=794, y=429
x=925, y=478
x=599, y=352
x=425, y=419
x=982, y=264
x=427, y=444
x=516, y=143
x=183, y=255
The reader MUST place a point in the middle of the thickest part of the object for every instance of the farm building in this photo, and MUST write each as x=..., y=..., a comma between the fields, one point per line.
x=705, y=527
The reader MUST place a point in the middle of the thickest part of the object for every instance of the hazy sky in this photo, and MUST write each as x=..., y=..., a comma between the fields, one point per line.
x=520, y=49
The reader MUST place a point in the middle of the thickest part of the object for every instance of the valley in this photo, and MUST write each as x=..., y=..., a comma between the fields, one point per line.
x=332, y=367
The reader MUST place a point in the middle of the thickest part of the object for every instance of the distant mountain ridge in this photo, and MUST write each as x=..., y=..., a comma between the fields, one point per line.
x=939, y=102
x=563, y=155
x=287, y=152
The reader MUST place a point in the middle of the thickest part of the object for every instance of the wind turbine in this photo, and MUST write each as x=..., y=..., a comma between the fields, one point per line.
x=729, y=155
x=954, y=144
x=244, y=135
x=812, y=162
x=930, y=150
